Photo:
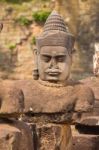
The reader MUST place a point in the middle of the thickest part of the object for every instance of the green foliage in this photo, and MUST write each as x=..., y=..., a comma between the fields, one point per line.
x=15, y=1
x=12, y=47
x=33, y=41
x=41, y=16
x=24, y=21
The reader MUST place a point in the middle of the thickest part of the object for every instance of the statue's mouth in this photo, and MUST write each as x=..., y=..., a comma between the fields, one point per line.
x=54, y=72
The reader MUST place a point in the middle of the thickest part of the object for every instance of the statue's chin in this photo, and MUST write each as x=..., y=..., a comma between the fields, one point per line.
x=53, y=79
x=50, y=78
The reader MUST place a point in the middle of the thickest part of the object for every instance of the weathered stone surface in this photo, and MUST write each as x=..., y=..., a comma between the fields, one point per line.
x=85, y=141
x=11, y=100
x=48, y=117
x=26, y=142
x=74, y=98
x=92, y=118
x=92, y=82
x=53, y=137
x=15, y=136
x=9, y=137
x=65, y=98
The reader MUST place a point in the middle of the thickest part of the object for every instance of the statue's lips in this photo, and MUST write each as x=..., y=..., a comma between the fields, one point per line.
x=53, y=72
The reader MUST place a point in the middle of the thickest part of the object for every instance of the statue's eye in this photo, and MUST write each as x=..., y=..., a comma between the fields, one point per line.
x=46, y=58
x=61, y=58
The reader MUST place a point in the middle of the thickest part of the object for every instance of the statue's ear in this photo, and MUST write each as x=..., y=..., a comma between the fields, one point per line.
x=35, y=69
x=35, y=51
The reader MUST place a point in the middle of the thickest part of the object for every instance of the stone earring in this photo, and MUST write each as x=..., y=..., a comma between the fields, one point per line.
x=35, y=70
x=35, y=74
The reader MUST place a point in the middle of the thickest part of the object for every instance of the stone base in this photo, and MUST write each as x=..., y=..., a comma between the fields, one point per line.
x=15, y=135
x=52, y=137
x=9, y=137
x=85, y=141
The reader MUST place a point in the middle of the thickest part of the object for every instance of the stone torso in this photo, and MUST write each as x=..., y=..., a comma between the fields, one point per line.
x=75, y=97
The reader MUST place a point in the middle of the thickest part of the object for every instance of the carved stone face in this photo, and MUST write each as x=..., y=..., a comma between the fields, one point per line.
x=54, y=63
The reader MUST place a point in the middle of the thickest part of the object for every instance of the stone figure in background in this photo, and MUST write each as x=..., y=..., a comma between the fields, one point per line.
x=96, y=60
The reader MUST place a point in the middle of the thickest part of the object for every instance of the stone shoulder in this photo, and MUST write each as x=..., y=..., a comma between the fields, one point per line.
x=11, y=99
x=85, y=98
x=93, y=83
x=36, y=98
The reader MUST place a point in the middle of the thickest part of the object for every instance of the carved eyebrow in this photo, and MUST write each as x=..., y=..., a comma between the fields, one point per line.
x=56, y=55
x=45, y=54
x=60, y=55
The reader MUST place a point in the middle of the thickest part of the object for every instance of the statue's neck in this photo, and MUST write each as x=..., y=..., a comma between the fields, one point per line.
x=52, y=84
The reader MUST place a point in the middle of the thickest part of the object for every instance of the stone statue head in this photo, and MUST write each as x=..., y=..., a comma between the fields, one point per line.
x=53, y=56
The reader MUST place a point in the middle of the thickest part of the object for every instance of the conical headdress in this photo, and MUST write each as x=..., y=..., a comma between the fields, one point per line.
x=55, y=22
x=55, y=33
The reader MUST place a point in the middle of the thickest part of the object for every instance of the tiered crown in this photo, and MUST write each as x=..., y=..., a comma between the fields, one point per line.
x=55, y=22
x=55, y=33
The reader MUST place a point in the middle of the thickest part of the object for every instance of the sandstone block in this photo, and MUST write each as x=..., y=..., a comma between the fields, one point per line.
x=52, y=137
x=11, y=100
x=9, y=137
x=15, y=136
x=92, y=118
x=67, y=99
x=26, y=142
x=92, y=82
x=85, y=140
x=39, y=98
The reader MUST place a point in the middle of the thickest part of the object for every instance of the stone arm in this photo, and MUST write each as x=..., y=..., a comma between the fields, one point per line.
x=85, y=99
x=84, y=102
x=14, y=134
x=11, y=100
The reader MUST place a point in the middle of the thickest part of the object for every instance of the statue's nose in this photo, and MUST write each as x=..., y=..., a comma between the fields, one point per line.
x=53, y=63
